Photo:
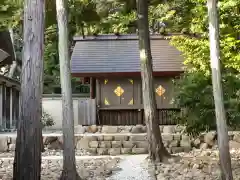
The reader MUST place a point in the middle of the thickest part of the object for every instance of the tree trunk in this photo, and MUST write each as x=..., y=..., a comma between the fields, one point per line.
x=157, y=151
x=13, y=67
x=69, y=161
x=224, y=155
x=27, y=162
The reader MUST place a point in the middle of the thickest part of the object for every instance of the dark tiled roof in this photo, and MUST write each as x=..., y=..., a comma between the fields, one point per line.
x=110, y=53
x=6, y=45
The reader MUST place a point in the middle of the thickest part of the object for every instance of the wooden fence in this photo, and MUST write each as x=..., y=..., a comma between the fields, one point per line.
x=84, y=109
x=86, y=113
x=133, y=117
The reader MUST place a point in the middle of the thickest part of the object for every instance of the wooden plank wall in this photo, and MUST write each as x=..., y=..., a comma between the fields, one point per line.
x=133, y=117
x=87, y=111
x=88, y=114
x=117, y=111
x=120, y=117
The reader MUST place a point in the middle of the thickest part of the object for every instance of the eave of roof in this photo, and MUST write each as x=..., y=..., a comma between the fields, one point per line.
x=127, y=74
x=7, y=46
x=105, y=37
x=10, y=82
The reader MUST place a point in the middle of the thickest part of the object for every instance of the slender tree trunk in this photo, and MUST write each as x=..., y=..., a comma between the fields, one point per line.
x=27, y=162
x=225, y=159
x=157, y=151
x=13, y=67
x=69, y=160
x=19, y=69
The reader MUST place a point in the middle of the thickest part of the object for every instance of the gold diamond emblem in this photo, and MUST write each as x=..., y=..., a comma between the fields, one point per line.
x=131, y=81
x=106, y=102
x=105, y=81
x=119, y=91
x=130, y=102
x=160, y=90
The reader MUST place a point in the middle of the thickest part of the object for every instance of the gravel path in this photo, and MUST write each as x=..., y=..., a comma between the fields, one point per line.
x=132, y=168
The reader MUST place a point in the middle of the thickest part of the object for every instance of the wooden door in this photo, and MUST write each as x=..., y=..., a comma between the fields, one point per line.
x=117, y=92
x=108, y=96
x=127, y=98
x=164, y=92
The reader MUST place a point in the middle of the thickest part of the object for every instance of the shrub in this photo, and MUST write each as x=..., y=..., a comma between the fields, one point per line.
x=47, y=119
x=194, y=95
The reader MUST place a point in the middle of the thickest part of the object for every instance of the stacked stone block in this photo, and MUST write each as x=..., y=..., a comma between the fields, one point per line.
x=116, y=140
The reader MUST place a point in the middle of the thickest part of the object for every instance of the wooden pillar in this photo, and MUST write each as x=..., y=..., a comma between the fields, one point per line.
x=98, y=93
x=92, y=88
x=1, y=104
x=18, y=94
x=140, y=102
x=11, y=107
x=98, y=99
x=3, y=124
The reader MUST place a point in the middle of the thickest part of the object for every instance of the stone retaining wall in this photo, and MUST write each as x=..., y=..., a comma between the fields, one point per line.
x=115, y=140
x=126, y=129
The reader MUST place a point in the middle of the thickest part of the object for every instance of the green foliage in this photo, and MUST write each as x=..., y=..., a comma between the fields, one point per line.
x=81, y=13
x=195, y=53
x=47, y=119
x=10, y=13
x=51, y=61
x=85, y=18
x=194, y=89
x=194, y=95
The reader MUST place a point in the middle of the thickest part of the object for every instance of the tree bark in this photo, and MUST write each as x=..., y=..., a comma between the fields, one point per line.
x=13, y=67
x=157, y=151
x=224, y=155
x=69, y=160
x=27, y=162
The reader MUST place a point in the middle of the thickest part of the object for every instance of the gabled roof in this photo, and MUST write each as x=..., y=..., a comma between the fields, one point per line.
x=120, y=54
x=6, y=48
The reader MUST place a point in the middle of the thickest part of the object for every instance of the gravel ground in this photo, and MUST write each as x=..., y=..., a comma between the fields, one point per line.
x=133, y=168
x=197, y=164
x=49, y=153
x=89, y=169
x=128, y=167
